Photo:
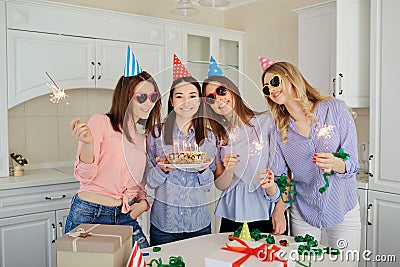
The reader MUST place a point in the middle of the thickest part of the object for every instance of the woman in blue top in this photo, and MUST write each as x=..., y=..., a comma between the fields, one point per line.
x=180, y=207
x=242, y=158
x=310, y=127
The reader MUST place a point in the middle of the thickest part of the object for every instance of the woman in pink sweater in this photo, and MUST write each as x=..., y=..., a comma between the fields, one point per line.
x=111, y=157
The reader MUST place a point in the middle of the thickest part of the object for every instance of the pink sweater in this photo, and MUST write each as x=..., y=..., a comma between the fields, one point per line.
x=118, y=167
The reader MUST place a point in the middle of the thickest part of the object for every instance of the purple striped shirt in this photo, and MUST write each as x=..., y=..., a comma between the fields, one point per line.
x=327, y=209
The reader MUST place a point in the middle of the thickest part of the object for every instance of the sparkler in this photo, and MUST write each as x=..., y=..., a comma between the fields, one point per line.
x=58, y=94
x=325, y=131
x=258, y=146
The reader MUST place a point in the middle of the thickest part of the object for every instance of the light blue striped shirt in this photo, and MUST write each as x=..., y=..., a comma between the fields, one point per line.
x=245, y=199
x=180, y=203
x=327, y=209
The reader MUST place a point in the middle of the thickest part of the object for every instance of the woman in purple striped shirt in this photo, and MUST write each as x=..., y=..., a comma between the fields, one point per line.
x=309, y=128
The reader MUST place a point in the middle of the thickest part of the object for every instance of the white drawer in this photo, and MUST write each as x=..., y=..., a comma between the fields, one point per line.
x=35, y=199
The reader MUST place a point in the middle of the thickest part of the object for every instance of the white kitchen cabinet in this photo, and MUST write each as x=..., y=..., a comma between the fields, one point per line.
x=31, y=219
x=383, y=232
x=34, y=234
x=384, y=126
x=384, y=180
x=31, y=235
x=333, y=49
x=70, y=61
x=226, y=46
x=73, y=62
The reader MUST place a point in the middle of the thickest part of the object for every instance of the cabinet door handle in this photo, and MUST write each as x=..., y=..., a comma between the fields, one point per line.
x=99, y=69
x=60, y=226
x=55, y=197
x=93, y=70
x=333, y=87
x=54, y=233
x=340, y=83
x=369, y=214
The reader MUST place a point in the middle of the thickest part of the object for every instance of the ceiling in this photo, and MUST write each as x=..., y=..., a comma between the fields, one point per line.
x=232, y=3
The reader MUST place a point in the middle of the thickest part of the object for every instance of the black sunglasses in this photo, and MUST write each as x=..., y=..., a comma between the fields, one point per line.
x=274, y=82
x=220, y=90
x=142, y=97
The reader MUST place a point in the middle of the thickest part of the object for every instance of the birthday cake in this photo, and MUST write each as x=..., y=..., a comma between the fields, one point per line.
x=194, y=157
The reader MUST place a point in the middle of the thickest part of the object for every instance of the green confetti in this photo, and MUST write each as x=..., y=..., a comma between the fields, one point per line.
x=156, y=249
x=282, y=185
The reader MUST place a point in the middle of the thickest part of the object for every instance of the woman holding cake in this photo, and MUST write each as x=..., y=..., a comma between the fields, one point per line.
x=243, y=155
x=180, y=207
x=111, y=179
x=310, y=128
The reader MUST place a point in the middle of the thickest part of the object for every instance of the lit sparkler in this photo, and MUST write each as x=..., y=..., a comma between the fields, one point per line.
x=325, y=131
x=58, y=94
x=258, y=147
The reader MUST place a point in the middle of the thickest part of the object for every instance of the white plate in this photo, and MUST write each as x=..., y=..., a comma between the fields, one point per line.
x=187, y=166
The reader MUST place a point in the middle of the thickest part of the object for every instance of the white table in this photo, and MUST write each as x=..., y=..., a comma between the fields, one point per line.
x=195, y=250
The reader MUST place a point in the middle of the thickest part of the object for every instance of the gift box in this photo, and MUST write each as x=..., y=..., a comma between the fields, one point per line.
x=95, y=245
x=249, y=254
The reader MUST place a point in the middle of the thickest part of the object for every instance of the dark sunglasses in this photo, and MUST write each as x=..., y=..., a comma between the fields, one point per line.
x=220, y=90
x=274, y=82
x=142, y=97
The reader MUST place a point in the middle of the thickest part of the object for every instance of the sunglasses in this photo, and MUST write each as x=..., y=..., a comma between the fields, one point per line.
x=142, y=97
x=274, y=82
x=220, y=90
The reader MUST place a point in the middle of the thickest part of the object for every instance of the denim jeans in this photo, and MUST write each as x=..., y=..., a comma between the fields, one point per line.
x=87, y=212
x=158, y=237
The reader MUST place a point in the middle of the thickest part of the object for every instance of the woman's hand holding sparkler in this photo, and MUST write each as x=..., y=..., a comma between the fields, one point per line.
x=230, y=161
x=266, y=179
x=81, y=131
x=328, y=162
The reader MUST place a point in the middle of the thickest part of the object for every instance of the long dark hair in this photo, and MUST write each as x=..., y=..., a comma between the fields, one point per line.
x=123, y=93
x=197, y=120
x=218, y=123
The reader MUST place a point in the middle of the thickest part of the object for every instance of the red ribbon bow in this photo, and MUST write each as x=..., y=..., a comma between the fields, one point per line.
x=265, y=252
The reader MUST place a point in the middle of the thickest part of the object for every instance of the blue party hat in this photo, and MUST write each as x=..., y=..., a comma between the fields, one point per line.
x=132, y=66
x=213, y=69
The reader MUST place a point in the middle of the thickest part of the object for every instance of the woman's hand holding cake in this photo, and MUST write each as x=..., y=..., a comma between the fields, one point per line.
x=164, y=168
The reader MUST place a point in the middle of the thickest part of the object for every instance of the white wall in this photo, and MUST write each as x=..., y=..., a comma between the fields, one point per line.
x=154, y=8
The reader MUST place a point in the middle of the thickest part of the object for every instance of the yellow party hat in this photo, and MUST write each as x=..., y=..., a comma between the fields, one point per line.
x=245, y=233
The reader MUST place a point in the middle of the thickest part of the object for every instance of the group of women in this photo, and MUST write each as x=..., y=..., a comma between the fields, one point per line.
x=122, y=151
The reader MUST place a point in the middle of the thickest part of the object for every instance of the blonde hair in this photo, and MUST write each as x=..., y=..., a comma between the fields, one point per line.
x=302, y=92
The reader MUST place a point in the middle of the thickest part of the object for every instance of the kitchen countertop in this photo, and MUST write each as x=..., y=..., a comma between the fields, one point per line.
x=61, y=175
x=39, y=177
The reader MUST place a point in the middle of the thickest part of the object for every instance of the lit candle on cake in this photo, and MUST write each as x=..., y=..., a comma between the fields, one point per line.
x=196, y=148
x=174, y=146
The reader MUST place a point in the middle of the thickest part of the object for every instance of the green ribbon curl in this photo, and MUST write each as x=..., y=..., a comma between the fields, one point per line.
x=282, y=185
x=174, y=261
x=342, y=155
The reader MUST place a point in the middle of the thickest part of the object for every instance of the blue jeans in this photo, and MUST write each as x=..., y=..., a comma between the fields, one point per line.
x=158, y=237
x=87, y=212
